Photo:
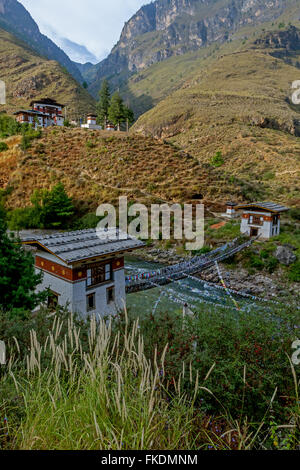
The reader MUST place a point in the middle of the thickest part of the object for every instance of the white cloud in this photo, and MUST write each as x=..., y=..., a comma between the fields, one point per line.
x=95, y=24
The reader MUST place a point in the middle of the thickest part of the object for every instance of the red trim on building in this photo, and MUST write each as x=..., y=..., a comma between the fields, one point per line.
x=58, y=270
x=118, y=264
x=75, y=274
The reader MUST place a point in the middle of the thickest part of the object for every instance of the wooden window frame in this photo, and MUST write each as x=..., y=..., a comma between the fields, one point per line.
x=98, y=275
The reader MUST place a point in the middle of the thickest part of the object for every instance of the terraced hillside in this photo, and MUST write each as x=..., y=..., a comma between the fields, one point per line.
x=98, y=167
x=27, y=75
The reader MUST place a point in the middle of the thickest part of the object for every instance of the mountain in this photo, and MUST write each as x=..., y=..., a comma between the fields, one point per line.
x=76, y=52
x=237, y=104
x=15, y=19
x=28, y=75
x=167, y=28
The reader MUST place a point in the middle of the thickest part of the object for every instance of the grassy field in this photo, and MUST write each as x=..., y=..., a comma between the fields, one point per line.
x=160, y=382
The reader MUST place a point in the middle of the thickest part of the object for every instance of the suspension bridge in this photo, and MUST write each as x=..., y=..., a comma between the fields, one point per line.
x=196, y=265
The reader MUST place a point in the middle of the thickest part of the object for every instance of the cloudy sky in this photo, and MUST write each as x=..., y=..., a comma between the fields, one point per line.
x=93, y=24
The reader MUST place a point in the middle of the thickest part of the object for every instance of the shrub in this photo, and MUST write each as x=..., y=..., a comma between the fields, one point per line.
x=25, y=142
x=8, y=126
x=3, y=146
x=295, y=213
x=217, y=160
x=89, y=220
x=54, y=206
x=294, y=272
x=24, y=218
x=89, y=144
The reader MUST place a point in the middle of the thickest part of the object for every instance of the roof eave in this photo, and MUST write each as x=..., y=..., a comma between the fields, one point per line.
x=268, y=209
x=80, y=260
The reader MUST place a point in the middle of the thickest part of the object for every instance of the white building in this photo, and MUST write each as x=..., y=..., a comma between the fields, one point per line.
x=230, y=210
x=44, y=113
x=261, y=219
x=83, y=270
x=91, y=123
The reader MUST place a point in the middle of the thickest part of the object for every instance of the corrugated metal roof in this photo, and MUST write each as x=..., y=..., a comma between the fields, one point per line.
x=84, y=244
x=270, y=206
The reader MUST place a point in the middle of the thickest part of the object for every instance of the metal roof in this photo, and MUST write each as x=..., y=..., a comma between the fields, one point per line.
x=81, y=245
x=269, y=206
x=31, y=111
x=46, y=101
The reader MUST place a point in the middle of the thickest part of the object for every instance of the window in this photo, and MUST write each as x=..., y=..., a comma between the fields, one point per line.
x=99, y=274
x=91, y=302
x=110, y=295
x=256, y=220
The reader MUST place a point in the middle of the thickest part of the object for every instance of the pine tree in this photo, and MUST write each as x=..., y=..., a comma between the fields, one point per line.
x=116, y=111
x=18, y=279
x=103, y=103
x=55, y=207
x=129, y=116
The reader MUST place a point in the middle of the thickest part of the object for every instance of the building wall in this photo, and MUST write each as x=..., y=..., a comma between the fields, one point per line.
x=94, y=127
x=266, y=230
x=71, y=286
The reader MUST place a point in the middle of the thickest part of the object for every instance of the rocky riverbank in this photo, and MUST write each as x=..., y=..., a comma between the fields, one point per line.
x=260, y=284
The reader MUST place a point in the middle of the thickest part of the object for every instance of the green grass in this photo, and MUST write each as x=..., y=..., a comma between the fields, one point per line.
x=138, y=383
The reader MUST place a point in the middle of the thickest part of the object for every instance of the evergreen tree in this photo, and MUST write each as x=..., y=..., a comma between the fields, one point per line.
x=129, y=116
x=55, y=207
x=18, y=279
x=103, y=103
x=116, y=111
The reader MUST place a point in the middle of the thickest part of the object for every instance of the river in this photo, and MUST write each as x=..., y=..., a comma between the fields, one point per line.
x=194, y=293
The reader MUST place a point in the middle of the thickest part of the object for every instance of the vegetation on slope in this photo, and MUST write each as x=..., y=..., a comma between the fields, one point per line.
x=98, y=167
x=28, y=75
x=237, y=106
x=15, y=19
x=164, y=29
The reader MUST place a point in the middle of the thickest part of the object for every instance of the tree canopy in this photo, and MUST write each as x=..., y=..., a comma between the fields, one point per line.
x=18, y=279
x=112, y=108
x=54, y=207
x=103, y=104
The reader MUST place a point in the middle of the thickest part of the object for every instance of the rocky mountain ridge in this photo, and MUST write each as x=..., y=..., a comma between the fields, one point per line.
x=167, y=28
x=15, y=19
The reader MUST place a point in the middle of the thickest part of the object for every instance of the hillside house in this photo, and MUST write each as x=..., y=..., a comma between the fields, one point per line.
x=261, y=219
x=83, y=270
x=43, y=113
x=91, y=122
